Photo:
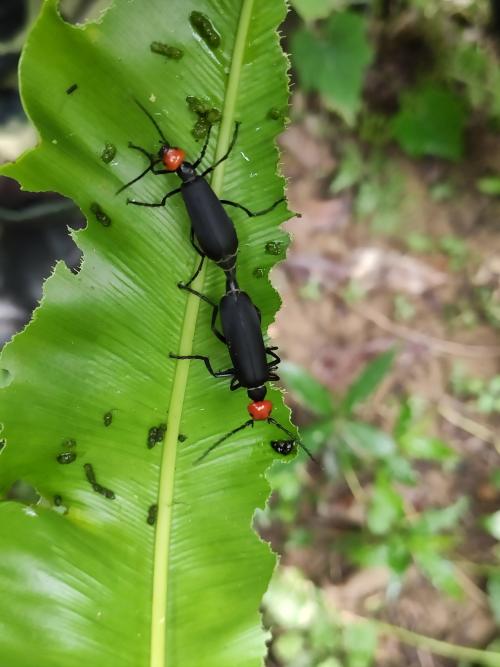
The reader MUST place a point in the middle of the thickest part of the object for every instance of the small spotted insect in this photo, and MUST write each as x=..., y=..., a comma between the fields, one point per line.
x=283, y=447
x=156, y=435
x=66, y=457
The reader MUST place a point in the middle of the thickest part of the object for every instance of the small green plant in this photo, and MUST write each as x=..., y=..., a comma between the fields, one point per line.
x=393, y=534
x=456, y=249
x=488, y=304
x=332, y=59
x=431, y=122
x=484, y=393
x=313, y=632
x=404, y=310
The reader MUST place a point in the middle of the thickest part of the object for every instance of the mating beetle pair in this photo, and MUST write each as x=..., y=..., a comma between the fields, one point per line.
x=213, y=235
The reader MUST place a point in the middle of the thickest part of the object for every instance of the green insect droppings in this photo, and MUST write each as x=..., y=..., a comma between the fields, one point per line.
x=274, y=247
x=205, y=29
x=3, y=442
x=197, y=105
x=152, y=514
x=108, y=153
x=207, y=115
x=89, y=473
x=66, y=457
x=98, y=488
x=99, y=214
x=58, y=500
x=213, y=116
x=274, y=114
x=258, y=272
x=170, y=52
x=71, y=89
x=108, y=418
x=200, y=129
x=107, y=493
x=181, y=437
x=69, y=443
x=156, y=435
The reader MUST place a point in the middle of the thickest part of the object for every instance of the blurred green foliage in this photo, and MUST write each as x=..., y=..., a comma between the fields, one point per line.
x=390, y=80
x=332, y=59
x=314, y=631
x=484, y=393
x=430, y=121
x=392, y=534
x=429, y=110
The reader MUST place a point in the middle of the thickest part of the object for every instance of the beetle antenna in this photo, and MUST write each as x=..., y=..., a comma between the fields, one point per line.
x=271, y=420
x=134, y=180
x=250, y=422
x=153, y=120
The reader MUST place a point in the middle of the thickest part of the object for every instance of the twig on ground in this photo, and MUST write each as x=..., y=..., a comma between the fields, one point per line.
x=453, y=416
x=438, y=345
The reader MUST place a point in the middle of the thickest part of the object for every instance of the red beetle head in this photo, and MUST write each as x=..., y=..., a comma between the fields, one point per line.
x=172, y=158
x=260, y=410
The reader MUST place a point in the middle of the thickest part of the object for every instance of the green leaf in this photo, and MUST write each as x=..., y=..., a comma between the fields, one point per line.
x=431, y=122
x=360, y=643
x=468, y=64
x=311, y=10
x=392, y=552
x=386, y=506
x=369, y=379
x=419, y=446
x=492, y=524
x=489, y=185
x=364, y=553
x=317, y=434
x=334, y=62
x=351, y=169
x=400, y=469
x=381, y=203
x=289, y=593
x=495, y=478
x=364, y=440
x=440, y=571
x=289, y=647
x=405, y=418
x=438, y=520
x=85, y=577
x=493, y=588
x=399, y=558
x=330, y=662
x=312, y=394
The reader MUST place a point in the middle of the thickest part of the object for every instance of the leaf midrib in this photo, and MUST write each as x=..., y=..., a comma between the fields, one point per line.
x=161, y=555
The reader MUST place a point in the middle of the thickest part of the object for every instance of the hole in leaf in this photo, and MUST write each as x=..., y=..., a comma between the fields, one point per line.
x=13, y=17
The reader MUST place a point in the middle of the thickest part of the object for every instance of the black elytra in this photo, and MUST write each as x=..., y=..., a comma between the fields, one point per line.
x=212, y=227
x=241, y=325
x=242, y=334
x=213, y=234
